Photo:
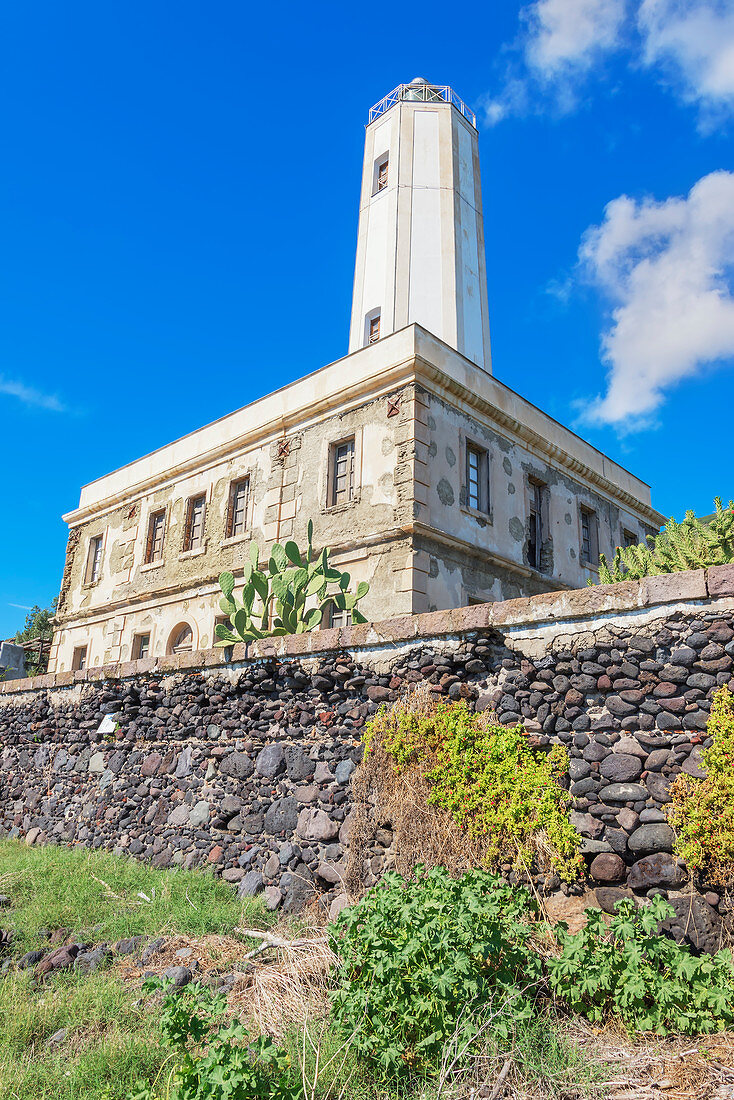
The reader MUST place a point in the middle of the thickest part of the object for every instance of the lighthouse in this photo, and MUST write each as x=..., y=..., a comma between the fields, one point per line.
x=420, y=243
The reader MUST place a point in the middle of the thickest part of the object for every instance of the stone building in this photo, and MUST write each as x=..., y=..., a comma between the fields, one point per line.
x=426, y=475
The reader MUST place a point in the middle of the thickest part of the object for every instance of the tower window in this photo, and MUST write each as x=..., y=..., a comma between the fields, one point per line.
x=629, y=538
x=380, y=173
x=141, y=646
x=237, y=512
x=194, y=530
x=342, y=472
x=374, y=330
x=156, y=532
x=535, y=524
x=94, y=560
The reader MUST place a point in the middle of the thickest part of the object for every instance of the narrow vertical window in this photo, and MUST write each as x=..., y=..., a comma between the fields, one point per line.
x=194, y=530
x=477, y=478
x=382, y=175
x=94, y=560
x=141, y=646
x=156, y=533
x=237, y=515
x=473, y=465
x=342, y=472
x=374, y=330
x=535, y=525
x=589, y=537
x=79, y=659
x=629, y=538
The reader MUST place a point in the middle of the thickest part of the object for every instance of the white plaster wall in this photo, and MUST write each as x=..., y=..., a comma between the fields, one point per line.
x=471, y=342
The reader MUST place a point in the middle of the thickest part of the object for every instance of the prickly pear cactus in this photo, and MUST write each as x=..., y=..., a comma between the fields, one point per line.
x=289, y=597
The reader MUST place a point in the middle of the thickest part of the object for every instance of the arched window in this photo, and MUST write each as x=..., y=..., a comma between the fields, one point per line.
x=182, y=639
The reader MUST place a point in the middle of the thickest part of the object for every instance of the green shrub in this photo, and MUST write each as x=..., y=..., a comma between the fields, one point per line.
x=488, y=778
x=216, y=1059
x=422, y=959
x=646, y=980
x=702, y=810
x=690, y=544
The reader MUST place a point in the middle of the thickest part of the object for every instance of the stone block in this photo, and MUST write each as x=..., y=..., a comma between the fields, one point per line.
x=670, y=587
x=720, y=580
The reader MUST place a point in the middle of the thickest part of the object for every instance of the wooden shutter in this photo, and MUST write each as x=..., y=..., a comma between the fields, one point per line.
x=343, y=472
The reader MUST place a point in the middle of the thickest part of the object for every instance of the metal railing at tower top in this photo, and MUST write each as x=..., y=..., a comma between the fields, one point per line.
x=421, y=93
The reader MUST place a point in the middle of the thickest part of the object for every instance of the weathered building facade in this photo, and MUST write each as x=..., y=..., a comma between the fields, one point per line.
x=427, y=476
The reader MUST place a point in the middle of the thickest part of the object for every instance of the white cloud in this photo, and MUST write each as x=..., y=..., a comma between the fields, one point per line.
x=29, y=396
x=692, y=41
x=667, y=270
x=568, y=35
x=560, y=41
x=688, y=43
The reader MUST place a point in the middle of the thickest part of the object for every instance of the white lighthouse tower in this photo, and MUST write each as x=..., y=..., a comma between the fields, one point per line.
x=420, y=246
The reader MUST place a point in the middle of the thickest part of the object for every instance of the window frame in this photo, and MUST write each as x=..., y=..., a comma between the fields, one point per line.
x=381, y=161
x=150, y=557
x=537, y=505
x=592, y=524
x=229, y=530
x=136, y=654
x=174, y=638
x=80, y=657
x=336, y=612
x=332, y=499
x=483, y=506
x=628, y=535
x=189, y=543
x=93, y=567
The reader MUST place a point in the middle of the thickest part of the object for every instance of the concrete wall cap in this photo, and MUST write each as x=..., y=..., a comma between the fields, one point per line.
x=543, y=609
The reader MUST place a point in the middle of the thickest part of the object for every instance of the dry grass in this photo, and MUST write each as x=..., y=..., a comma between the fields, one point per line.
x=285, y=986
x=422, y=833
x=648, y=1068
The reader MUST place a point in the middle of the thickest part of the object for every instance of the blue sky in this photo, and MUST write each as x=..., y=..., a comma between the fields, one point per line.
x=178, y=210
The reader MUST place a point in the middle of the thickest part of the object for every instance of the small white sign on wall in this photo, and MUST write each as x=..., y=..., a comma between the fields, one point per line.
x=108, y=724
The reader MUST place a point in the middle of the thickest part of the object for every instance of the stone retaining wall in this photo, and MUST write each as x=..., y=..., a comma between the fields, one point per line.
x=245, y=764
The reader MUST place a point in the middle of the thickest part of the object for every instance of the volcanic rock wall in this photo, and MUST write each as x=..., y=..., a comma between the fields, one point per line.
x=245, y=764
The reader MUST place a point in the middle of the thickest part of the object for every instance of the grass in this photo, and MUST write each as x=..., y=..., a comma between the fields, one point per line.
x=111, y=1042
x=112, y=1038
x=107, y=897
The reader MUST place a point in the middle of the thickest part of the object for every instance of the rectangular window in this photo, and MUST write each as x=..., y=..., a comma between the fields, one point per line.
x=477, y=478
x=194, y=531
x=382, y=175
x=141, y=646
x=156, y=532
x=535, y=525
x=374, y=330
x=94, y=560
x=337, y=618
x=589, y=537
x=239, y=492
x=629, y=538
x=79, y=660
x=342, y=472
